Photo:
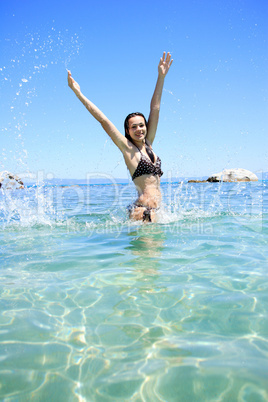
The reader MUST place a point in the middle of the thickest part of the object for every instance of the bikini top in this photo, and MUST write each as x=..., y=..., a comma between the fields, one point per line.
x=146, y=166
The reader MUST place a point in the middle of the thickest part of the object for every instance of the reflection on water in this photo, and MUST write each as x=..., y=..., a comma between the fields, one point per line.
x=94, y=307
x=147, y=242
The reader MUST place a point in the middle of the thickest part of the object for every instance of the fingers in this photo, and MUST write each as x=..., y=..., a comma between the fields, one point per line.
x=166, y=58
x=70, y=79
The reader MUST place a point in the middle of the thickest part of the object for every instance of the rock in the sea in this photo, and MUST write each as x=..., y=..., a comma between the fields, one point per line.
x=233, y=175
x=10, y=181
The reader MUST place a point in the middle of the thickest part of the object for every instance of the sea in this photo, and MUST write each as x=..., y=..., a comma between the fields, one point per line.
x=95, y=307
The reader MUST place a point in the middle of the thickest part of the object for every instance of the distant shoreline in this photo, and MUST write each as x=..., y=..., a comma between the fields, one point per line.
x=98, y=181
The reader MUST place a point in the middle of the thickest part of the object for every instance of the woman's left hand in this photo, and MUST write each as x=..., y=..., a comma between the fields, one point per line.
x=164, y=64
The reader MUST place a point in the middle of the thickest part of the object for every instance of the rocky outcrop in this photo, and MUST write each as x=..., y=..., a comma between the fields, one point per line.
x=233, y=175
x=229, y=175
x=10, y=181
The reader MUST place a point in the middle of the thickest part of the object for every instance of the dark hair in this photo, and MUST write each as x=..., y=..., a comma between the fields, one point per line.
x=126, y=125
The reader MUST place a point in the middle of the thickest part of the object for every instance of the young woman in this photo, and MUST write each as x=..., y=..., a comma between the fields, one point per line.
x=136, y=146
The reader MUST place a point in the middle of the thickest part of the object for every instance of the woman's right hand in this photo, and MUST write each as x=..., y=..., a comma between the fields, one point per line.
x=73, y=84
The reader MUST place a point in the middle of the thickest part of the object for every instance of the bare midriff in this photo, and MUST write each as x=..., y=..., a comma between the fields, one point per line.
x=149, y=194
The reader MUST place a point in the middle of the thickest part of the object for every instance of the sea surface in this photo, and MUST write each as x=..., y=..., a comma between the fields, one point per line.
x=94, y=307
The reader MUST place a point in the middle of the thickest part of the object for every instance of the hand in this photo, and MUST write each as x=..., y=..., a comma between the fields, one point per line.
x=73, y=84
x=164, y=64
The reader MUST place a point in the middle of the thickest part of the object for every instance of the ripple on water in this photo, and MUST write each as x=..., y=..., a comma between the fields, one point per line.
x=98, y=308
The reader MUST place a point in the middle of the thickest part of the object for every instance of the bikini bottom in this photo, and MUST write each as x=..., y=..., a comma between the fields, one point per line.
x=146, y=214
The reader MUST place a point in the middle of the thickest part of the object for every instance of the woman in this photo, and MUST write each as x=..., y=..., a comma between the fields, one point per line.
x=136, y=146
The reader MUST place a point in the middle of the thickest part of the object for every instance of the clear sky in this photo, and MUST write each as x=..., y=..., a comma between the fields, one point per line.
x=214, y=104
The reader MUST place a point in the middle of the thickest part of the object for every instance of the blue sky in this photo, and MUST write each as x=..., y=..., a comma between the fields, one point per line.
x=214, y=104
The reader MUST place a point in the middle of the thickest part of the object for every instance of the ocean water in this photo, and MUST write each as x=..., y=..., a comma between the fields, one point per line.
x=95, y=307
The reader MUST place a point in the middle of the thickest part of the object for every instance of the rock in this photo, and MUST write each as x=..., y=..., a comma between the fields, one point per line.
x=10, y=181
x=233, y=175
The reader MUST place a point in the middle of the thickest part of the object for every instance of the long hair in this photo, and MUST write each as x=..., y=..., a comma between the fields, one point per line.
x=126, y=125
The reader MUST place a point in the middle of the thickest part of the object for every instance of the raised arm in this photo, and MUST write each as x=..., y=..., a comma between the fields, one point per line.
x=163, y=67
x=119, y=140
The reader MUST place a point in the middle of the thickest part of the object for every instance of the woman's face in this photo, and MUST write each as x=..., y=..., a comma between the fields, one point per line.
x=137, y=128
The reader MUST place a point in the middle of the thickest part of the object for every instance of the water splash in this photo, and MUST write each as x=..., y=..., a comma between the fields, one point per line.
x=28, y=57
x=26, y=208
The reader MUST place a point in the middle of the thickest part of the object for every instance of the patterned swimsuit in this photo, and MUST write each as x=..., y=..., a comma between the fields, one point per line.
x=146, y=166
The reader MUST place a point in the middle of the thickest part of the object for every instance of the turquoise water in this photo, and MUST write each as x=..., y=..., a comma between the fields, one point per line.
x=97, y=308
